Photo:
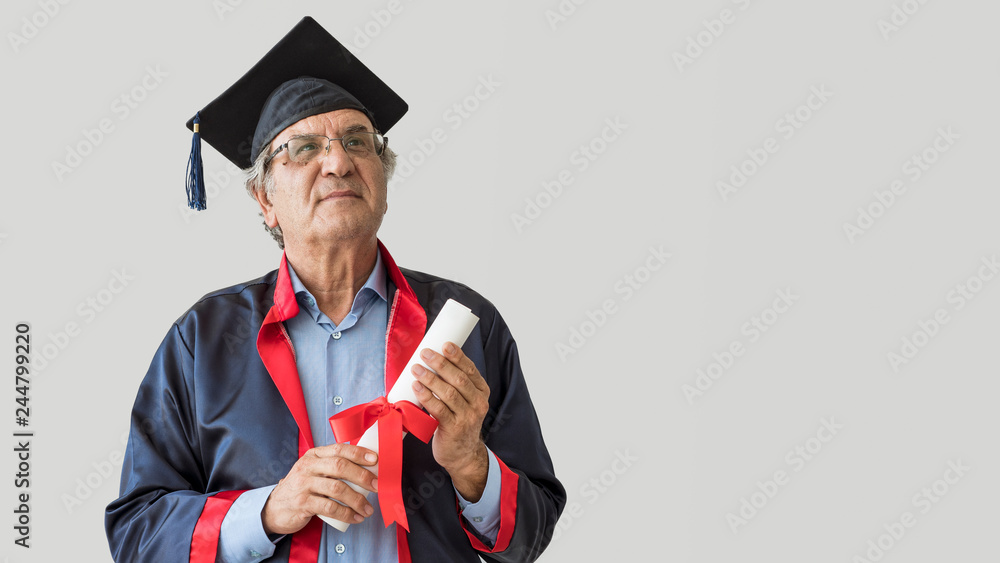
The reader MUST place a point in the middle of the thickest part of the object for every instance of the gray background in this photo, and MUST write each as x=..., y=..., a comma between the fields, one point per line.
x=620, y=394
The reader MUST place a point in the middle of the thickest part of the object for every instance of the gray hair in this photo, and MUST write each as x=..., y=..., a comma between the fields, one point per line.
x=260, y=178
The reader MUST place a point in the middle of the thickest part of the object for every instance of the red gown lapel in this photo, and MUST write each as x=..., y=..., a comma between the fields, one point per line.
x=407, y=324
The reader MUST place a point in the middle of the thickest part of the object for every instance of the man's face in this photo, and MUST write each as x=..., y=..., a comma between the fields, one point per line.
x=329, y=200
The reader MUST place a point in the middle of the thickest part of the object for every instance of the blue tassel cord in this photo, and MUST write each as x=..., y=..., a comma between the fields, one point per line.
x=195, y=173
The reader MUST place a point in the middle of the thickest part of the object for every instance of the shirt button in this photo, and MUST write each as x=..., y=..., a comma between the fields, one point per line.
x=340, y=549
x=311, y=301
x=477, y=519
x=336, y=335
x=338, y=400
x=254, y=553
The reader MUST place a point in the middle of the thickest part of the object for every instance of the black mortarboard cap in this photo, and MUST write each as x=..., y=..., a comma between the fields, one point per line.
x=307, y=73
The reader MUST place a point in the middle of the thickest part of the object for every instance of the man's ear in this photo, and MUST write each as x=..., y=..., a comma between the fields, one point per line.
x=266, y=208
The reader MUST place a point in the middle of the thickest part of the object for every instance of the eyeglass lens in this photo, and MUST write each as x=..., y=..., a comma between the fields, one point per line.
x=309, y=147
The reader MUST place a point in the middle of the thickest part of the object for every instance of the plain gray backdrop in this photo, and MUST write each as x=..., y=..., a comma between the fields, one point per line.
x=788, y=207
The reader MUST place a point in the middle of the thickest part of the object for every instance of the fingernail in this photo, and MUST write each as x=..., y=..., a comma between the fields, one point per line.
x=427, y=354
x=417, y=386
x=450, y=348
x=369, y=510
x=370, y=457
x=375, y=484
x=359, y=518
x=419, y=369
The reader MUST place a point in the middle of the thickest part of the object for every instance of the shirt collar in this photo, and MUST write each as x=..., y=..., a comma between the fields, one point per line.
x=376, y=283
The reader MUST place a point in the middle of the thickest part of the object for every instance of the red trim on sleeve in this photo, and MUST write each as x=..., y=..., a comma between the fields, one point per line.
x=205, y=539
x=508, y=512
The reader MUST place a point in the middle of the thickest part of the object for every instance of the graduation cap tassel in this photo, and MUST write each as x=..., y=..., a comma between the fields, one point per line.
x=195, y=173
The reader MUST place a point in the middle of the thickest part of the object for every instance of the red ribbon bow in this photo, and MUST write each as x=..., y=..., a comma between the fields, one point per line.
x=392, y=418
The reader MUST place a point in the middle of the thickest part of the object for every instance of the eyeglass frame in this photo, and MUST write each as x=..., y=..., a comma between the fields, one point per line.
x=330, y=140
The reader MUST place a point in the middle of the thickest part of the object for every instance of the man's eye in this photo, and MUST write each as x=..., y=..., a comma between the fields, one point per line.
x=304, y=150
x=354, y=141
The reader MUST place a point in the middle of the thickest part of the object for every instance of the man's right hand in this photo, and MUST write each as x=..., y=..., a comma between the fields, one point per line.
x=313, y=481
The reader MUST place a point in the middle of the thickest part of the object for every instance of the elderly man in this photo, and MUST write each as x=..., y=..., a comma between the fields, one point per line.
x=231, y=455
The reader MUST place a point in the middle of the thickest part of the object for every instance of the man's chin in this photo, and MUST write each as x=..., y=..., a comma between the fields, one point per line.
x=347, y=232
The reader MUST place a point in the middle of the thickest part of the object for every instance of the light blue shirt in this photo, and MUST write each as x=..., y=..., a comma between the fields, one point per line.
x=337, y=372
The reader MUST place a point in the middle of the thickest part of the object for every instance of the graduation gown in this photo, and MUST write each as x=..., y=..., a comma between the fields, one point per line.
x=221, y=411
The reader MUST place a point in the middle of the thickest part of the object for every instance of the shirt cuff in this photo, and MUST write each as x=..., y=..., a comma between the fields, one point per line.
x=242, y=538
x=484, y=515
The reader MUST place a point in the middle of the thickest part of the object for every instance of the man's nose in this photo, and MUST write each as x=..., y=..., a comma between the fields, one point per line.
x=337, y=161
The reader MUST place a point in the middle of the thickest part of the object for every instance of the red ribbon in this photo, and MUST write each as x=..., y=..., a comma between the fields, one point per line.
x=392, y=418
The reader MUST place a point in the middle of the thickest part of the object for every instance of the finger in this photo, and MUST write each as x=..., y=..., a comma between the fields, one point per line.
x=458, y=376
x=455, y=354
x=442, y=389
x=357, y=454
x=451, y=374
x=435, y=406
x=350, y=505
x=340, y=490
x=344, y=468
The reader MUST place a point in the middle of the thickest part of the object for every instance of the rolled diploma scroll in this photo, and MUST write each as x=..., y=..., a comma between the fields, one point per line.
x=453, y=324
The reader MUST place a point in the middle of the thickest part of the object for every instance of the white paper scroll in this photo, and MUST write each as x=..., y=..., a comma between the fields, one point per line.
x=453, y=324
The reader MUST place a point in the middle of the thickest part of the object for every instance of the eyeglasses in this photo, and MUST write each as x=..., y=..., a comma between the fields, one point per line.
x=303, y=149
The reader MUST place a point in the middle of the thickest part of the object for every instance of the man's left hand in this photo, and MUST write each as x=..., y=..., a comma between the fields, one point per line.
x=458, y=397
